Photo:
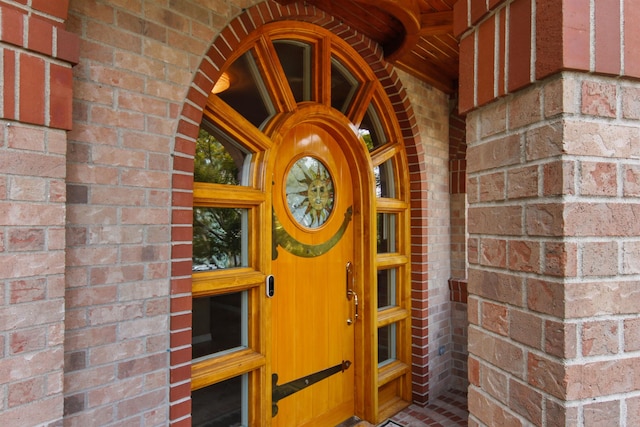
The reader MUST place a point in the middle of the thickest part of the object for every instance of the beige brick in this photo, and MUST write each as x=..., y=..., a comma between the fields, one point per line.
x=599, y=99
x=631, y=180
x=600, y=139
x=631, y=102
x=600, y=258
x=602, y=414
x=600, y=338
x=593, y=299
x=633, y=411
x=603, y=378
x=598, y=179
x=632, y=335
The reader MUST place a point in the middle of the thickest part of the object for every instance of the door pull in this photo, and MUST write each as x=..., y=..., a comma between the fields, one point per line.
x=351, y=294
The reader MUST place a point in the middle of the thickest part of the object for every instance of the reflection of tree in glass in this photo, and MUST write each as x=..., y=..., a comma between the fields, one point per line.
x=217, y=238
x=213, y=163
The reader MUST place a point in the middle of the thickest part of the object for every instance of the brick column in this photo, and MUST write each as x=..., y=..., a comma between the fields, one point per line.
x=553, y=125
x=36, y=54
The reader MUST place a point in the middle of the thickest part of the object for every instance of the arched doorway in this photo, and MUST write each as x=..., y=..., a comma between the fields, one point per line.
x=296, y=113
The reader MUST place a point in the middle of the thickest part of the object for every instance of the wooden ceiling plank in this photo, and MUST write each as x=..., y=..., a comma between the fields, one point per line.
x=436, y=23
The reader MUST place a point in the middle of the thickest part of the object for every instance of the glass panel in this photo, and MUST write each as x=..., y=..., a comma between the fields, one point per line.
x=371, y=130
x=384, y=174
x=343, y=86
x=247, y=93
x=386, y=233
x=386, y=344
x=295, y=58
x=219, y=238
x=221, y=405
x=218, y=159
x=219, y=324
x=386, y=288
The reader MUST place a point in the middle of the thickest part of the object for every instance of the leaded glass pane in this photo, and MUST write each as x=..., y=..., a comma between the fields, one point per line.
x=225, y=404
x=219, y=238
x=247, y=93
x=295, y=58
x=219, y=324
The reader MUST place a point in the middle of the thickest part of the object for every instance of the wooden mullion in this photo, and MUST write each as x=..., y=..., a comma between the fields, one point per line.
x=216, y=369
x=274, y=76
x=321, y=69
x=221, y=195
x=392, y=315
x=384, y=153
x=234, y=125
x=385, y=205
x=360, y=103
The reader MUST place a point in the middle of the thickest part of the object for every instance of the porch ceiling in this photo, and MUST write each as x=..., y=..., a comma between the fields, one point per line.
x=417, y=35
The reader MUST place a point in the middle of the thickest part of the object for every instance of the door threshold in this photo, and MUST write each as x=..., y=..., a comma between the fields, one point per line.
x=355, y=422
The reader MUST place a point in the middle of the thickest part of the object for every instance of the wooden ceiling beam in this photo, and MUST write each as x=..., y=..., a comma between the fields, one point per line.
x=408, y=13
x=436, y=23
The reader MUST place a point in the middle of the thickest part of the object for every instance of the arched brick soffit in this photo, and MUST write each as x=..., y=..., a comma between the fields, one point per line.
x=269, y=11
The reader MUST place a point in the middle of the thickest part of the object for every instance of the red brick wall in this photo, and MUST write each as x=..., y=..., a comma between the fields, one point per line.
x=36, y=54
x=553, y=248
x=557, y=38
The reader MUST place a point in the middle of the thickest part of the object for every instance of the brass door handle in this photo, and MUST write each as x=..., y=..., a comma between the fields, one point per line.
x=351, y=294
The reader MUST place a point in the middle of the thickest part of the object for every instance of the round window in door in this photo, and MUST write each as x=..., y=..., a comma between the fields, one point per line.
x=310, y=192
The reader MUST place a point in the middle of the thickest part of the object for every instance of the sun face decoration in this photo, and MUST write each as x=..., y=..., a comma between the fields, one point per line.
x=309, y=191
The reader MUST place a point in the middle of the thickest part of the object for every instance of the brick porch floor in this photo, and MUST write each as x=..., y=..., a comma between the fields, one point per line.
x=449, y=410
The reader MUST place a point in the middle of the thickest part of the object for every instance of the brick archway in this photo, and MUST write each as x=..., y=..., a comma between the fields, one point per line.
x=208, y=72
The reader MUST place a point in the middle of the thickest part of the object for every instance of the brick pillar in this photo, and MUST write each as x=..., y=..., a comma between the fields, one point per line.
x=553, y=126
x=36, y=54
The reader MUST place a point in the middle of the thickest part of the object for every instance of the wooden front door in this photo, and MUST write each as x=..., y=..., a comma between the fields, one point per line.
x=313, y=305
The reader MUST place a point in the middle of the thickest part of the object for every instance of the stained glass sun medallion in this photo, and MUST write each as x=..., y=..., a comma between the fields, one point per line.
x=310, y=192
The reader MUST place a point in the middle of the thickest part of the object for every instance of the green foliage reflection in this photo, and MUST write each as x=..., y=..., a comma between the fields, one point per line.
x=213, y=163
x=217, y=238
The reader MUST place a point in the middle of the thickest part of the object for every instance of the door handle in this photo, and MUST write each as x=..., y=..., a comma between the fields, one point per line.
x=351, y=294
